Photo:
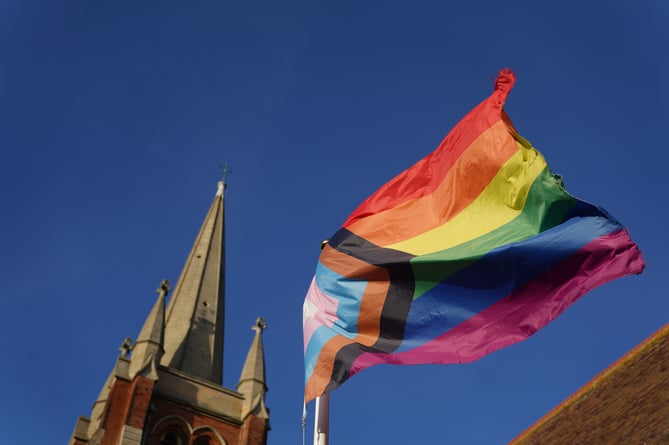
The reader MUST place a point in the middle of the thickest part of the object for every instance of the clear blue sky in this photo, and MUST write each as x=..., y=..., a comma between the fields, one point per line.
x=115, y=114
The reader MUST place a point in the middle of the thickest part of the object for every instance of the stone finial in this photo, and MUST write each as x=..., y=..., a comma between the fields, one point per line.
x=164, y=288
x=126, y=347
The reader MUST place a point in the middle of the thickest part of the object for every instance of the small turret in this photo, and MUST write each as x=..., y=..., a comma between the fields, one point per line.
x=148, y=349
x=252, y=381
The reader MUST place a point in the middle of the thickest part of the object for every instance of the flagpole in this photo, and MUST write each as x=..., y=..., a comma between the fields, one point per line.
x=322, y=420
x=322, y=415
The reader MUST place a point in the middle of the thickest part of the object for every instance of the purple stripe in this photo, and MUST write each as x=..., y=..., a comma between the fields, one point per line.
x=525, y=311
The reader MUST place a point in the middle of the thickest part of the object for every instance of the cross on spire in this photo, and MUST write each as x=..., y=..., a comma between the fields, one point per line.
x=225, y=171
x=260, y=325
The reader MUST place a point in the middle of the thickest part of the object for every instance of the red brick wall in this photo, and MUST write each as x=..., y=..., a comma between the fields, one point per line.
x=254, y=431
x=128, y=403
x=132, y=403
x=164, y=409
x=141, y=400
x=116, y=410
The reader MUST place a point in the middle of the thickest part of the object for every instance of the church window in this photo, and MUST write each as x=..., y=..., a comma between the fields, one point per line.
x=171, y=438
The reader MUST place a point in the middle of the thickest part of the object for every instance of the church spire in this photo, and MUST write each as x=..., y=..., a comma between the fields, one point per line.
x=194, y=321
x=175, y=366
x=252, y=381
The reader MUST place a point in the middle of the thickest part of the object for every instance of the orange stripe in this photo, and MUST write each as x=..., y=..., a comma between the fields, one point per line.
x=323, y=370
x=423, y=177
x=452, y=195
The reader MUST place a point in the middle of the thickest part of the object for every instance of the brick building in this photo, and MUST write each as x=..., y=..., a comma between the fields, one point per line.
x=166, y=386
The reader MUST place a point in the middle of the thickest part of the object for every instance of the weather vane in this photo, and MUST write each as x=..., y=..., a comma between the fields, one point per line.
x=225, y=171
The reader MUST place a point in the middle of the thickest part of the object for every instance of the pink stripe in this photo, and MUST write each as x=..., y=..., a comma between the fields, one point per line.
x=325, y=311
x=521, y=314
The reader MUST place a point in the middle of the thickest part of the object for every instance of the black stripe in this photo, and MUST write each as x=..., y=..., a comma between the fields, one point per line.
x=395, y=308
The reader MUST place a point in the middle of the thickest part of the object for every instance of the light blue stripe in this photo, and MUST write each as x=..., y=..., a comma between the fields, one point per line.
x=347, y=292
x=320, y=337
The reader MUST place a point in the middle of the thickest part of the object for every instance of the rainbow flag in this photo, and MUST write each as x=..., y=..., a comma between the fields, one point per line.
x=475, y=247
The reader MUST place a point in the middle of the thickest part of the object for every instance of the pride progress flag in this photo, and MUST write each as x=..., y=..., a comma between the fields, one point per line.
x=473, y=248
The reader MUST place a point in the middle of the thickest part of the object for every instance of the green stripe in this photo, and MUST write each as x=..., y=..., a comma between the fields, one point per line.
x=546, y=206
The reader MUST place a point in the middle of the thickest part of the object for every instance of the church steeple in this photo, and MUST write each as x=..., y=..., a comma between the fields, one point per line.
x=195, y=315
x=166, y=387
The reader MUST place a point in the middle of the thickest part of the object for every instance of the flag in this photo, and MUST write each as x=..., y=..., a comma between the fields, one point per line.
x=473, y=248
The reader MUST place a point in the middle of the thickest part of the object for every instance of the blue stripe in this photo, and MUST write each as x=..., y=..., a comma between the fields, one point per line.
x=495, y=276
x=319, y=338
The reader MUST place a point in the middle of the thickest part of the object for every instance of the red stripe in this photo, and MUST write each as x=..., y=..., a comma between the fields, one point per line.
x=424, y=177
x=457, y=190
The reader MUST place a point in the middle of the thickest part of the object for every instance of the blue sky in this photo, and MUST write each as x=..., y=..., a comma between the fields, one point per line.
x=115, y=115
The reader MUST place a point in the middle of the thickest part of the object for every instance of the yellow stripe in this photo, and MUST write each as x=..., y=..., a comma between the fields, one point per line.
x=500, y=202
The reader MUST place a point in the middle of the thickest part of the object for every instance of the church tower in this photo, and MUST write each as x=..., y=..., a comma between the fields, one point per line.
x=166, y=387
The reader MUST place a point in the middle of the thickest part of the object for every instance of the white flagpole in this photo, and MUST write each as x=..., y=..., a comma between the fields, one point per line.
x=322, y=420
x=322, y=415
